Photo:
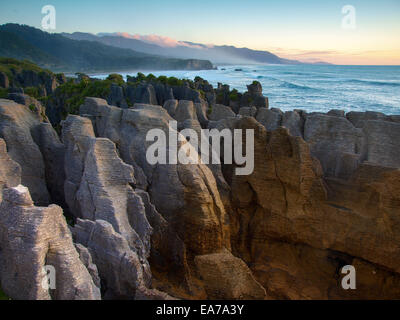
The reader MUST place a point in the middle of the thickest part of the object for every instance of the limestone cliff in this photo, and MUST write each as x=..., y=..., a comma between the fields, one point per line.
x=324, y=193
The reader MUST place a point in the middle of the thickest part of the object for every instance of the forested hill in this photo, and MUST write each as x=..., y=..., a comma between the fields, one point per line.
x=59, y=53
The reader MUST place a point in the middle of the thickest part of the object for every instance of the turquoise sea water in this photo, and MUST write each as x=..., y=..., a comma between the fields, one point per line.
x=312, y=87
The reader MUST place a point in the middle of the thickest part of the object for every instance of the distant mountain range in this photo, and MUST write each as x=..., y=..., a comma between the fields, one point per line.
x=168, y=47
x=59, y=53
x=113, y=52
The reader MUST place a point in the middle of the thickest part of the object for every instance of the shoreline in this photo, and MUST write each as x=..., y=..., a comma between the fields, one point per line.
x=312, y=88
x=321, y=192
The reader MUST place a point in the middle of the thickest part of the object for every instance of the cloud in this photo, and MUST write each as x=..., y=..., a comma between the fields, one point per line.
x=338, y=56
x=320, y=53
x=156, y=39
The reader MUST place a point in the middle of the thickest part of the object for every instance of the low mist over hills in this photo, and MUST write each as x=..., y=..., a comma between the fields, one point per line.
x=59, y=53
x=182, y=49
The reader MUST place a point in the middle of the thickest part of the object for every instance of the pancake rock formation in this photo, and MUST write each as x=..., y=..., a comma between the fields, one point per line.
x=324, y=194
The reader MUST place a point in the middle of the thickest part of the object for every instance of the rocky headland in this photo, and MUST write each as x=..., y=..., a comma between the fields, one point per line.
x=77, y=193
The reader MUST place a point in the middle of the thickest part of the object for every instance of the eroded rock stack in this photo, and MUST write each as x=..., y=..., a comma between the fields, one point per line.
x=46, y=241
x=324, y=193
x=17, y=123
x=300, y=218
x=186, y=196
x=10, y=171
x=115, y=228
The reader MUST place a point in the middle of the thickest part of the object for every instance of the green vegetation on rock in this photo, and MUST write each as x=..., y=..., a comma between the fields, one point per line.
x=59, y=53
x=171, y=81
x=73, y=94
x=116, y=78
x=3, y=93
x=220, y=97
x=33, y=92
x=3, y=296
x=12, y=66
x=234, y=95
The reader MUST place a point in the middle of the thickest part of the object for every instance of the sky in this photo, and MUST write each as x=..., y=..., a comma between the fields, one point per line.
x=309, y=30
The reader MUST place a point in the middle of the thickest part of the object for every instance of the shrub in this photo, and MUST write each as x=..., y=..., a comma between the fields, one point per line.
x=73, y=94
x=202, y=94
x=12, y=66
x=234, y=95
x=173, y=81
x=220, y=97
x=82, y=77
x=140, y=77
x=151, y=77
x=32, y=91
x=116, y=78
x=3, y=295
x=3, y=93
x=162, y=79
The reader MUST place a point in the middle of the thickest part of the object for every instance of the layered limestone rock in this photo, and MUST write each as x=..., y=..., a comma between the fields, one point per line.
x=46, y=241
x=335, y=142
x=53, y=152
x=293, y=122
x=297, y=229
x=254, y=96
x=120, y=268
x=358, y=118
x=228, y=277
x=103, y=190
x=271, y=119
x=4, y=82
x=16, y=125
x=86, y=258
x=33, y=105
x=143, y=93
x=30, y=78
x=170, y=106
x=98, y=190
x=168, y=252
x=325, y=193
x=10, y=171
x=185, y=110
x=220, y=112
x=184, y=92
x=116, y=96
x=201, y=111
x=340, y=142
x=382, y=144
x=248, y=111
x=186, y=116
x=185, y=195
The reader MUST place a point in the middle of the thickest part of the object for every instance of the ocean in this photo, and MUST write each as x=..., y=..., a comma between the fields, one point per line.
x=310, y=87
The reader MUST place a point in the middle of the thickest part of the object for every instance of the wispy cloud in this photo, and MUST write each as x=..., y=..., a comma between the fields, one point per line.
x=333, y=56
x=156, y=39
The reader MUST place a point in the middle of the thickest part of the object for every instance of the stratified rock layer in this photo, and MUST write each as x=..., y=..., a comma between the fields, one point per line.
x=16, y=125
x=10, y=171
x=228, y=277
x=324, y=193
x=186, y=195
x=98, y=190
x=297, y=228
x=46, y=241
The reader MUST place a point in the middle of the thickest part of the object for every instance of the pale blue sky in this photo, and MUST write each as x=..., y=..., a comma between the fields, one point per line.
x=287, y=27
